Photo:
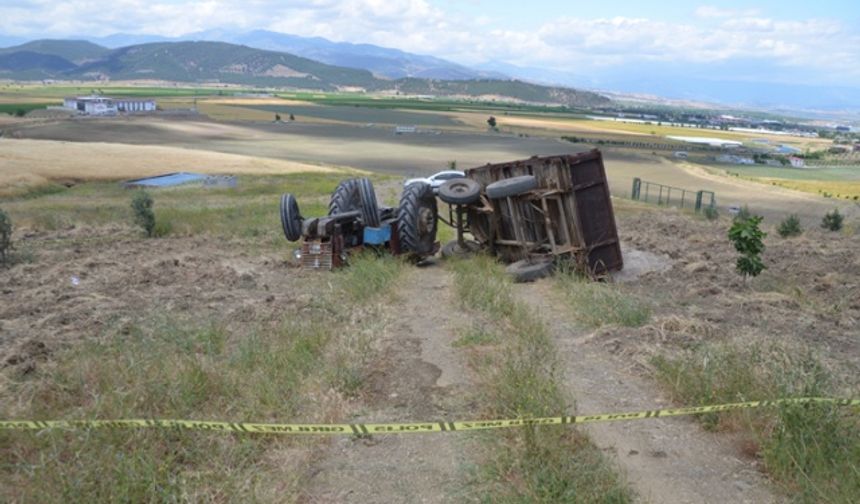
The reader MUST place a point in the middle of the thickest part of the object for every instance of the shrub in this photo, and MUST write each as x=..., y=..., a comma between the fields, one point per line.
x=141, y=204
x=832, y=220
x=5, y=237
x=711, y=213
x=747, y=238
x=790, y=227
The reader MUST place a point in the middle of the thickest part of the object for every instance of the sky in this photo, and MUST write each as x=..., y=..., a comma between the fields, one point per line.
x=807, y=42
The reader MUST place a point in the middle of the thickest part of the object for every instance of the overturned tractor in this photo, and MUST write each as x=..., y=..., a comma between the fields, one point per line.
x=534, y=214
x=355, y=221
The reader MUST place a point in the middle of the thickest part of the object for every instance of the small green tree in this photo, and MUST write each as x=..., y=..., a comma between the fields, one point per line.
x=277, y=117
x=492, y=122
x=141, y=204
x=292, y=117
x=789, y=227
x=747, y=238
x=5, y=238
x=832, y=220
x=452, y=165
x=20, y=112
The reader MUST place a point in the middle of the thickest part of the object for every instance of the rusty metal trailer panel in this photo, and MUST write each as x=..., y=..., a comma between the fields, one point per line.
x=569, y=212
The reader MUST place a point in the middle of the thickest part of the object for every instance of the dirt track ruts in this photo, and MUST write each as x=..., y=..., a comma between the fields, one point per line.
x=417, y=376
x=666, y=460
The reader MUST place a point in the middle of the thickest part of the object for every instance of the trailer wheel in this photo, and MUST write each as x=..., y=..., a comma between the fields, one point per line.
x=453, y=248
x=529, y=270
x=356, y=195
x=460, y=191
x=511, y=186
x=291, y=218
x=416, y=220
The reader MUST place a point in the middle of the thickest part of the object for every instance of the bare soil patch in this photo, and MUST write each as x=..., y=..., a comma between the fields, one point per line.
x=86, y=282
x=809, y=295
x=29, y=163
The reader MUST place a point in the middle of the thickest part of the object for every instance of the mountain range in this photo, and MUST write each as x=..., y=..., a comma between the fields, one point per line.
x=731, y=83
x=210, y=62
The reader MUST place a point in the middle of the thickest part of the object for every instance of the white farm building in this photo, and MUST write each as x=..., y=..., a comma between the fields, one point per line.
x=102, y=105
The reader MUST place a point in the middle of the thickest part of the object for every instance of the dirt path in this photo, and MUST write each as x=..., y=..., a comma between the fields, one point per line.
x=665, y=460
x=418, y=376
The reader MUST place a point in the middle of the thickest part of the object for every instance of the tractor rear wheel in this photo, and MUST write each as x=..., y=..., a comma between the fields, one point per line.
x=356, y=195
x=416, y=220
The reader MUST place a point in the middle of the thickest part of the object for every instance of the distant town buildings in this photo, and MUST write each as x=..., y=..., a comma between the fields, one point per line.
x=713, y=142
x=733, y=159
x=797, y=162
x=399, y=130
x=103, y=105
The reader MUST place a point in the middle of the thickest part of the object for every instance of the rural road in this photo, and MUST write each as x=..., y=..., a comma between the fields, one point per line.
x=666, y=460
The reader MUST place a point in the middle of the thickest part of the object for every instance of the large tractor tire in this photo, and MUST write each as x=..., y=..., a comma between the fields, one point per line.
x=356, y=195
x=416, y=220
x=460, y=191
x=511, y=186
x=291, y=218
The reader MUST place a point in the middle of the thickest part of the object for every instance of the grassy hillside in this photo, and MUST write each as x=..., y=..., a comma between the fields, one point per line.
x=207, y=61
x=513, y=89
x=75, y=51
x=219, y=62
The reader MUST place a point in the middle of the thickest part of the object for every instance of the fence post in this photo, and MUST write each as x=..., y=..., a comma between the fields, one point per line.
x=699, y=200
x=637, y=186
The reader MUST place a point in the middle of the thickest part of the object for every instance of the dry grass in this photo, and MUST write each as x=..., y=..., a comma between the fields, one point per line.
x=25, y=164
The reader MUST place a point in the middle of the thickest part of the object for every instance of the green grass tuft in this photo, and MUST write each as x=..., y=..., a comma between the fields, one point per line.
x=597, y=304
x=811, y=450
x=521, y=379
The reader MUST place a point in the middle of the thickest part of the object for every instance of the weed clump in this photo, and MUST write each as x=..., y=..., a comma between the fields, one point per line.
x=711, y=213
x=144, y=216
x=598, y=304
x=832, y=221
x=812, y=450
x=5, y=238
x=790, y=227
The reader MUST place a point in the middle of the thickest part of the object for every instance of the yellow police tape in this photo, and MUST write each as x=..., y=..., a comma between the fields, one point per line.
x=404, y=428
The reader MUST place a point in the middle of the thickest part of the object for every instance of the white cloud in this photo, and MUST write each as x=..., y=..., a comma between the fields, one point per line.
x=827, y=47
x=709, y=11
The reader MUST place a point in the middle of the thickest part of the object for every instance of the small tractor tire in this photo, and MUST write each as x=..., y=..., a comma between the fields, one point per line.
x=511, y=186
x=417, y=220
x=529, y=270
x=291, y=218
x=460, y=191
x=453, y=248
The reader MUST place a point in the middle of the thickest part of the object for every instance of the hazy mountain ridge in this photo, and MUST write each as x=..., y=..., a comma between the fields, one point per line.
x=239, y=64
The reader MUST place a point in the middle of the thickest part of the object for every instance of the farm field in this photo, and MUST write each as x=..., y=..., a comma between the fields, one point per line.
x=213, y=319
x=378, y=149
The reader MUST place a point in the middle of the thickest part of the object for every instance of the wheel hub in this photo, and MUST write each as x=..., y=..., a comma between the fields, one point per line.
x=426, y=220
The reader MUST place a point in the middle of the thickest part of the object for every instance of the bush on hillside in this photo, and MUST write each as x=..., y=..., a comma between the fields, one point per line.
x=141, y=204
x=790, y=227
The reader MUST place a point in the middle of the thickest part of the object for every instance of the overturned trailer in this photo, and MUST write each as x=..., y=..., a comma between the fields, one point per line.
x=536, y=211
x=535, y=214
